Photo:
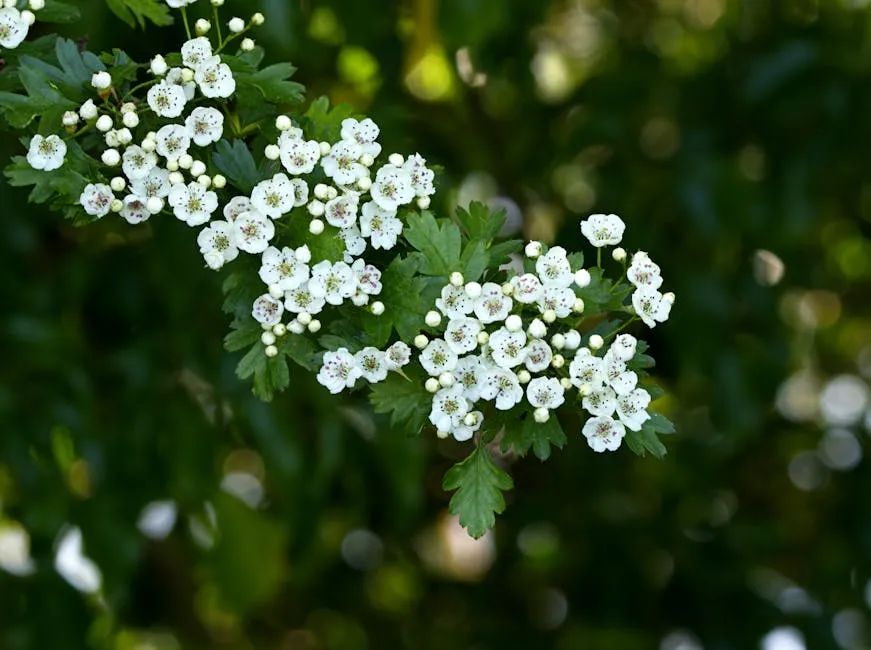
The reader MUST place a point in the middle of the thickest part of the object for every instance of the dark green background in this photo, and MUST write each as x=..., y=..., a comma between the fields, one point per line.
x=714, y=127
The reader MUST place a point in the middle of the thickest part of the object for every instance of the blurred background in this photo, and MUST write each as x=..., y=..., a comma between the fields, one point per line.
x=731, y=135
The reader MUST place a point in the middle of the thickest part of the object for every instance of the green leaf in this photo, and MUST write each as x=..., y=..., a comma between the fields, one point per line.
x=243, y=337
x=405, y=296
x=271, y=84
x=320, y=122
x=479, y=484
x=236, y=163
x=533, y=435
x=501, y=253
x=647, y=439
x=474, y=260
x=137, y=12
x=660, y=424
x=59, y=12
x=438, y=243
x=479, y=222
x=61, y=185
x=404, y=398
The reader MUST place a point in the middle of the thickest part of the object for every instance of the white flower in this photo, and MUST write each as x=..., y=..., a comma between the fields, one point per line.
x=364, y=133
x=623, y=347
x=236, y=206
x=274, y=197
x=78, y=570
x=545, y=392
x=602, y=402
x=449, y=407
x=368, y=278
x=156, y=184
x=47, y=153
x=342, y=163
x=339, y=371
x=461, y=334
x=15, y=549
x=97, y=199
x=560, y=300
x=392, y=187
x=217, y=245
x=341, y=211
x=196, y=51
x=508, y=348
x=138, y=163
x=397, y=356
x=437, y=357
x=182, y=78
x=166, y=99
x=467, y=374
x=421, y=177
x=252, y=232
x=464, y=431
x=631, y=408
x=135, y=210
x=503, y=386
x=267, y=310
x=527, y=288
x=173, y=141
x=193, y=203
x=300, y=192
x=644, y=272
x=585, y=369
x=554, y=269
x=205, y=125
x=603, y=229
x=282, y=268
x=380, y=225
x=454, y=302
x=332, y=282
x=13, y=28
x=301, y=300
x=650, y=306
x=538, y=355
x=492, y=305
x=297, y=155
x=372, y=364
x=623, y=381
x=603, y=433
x=215, y=79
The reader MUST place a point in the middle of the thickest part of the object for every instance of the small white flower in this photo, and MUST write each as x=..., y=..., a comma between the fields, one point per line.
x=508, y=348
x=101, y=80
x=267, y=310
x=332, y=282
x=137, y=163
x=560, y=300
x=603, y=433
x=461, y=334
x=623, y=381
x=449, y=407
x=281, y=267
x=554, y=269
x=156, y=184
x=364, y=133
x=623, y=347
x=421, y=177
x=587, y=370
x=392, y=187
x=182, y=78
x=193, y=203
x=342, y=165
x=492, y=305
x=339, y=371
x=215, y=79
x=503, y=386
x=74, y=567
x=205, y=125
x=46, y=154
x=603, y=229
x=602, y=402
x=166, y=99
x=341, y=211
x=368, y=278
x=467, y=374
x=469, y=425
x=538, y=355
x=135, y=209
x=650, y=306
x=274, y=197
x=301, y=301
x=97, y=199
x=631, y=408
x=173, y=141
x=454, y=303
x=372, y=364
x=643, y=272
x=297, y=155
x=252, y=232
x=545, y=392
x=437, y=357
x=236, y=206
x=527, y=288
x=196, y=51
x=397, y=356
x=300, y=192
x=380, y=225
x=217, y=245
x=13, y=28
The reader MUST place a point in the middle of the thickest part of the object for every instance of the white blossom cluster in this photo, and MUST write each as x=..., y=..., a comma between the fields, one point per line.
x=15, y=23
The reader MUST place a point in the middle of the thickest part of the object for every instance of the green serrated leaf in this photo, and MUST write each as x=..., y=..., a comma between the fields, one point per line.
x=59, y=12
x=243, y=337
x=137, y=12
x=406, y=297
x=474, y=260
x=533, y=435
x=647, y=439
x=320, y=122
x=271, y=84
x=405, y=399
x=479, y=222
x=234, y=160
x=479, y=484
x=437, y=243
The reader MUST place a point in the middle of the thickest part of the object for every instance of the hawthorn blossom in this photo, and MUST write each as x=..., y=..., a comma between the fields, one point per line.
x=554, y=269
x=205, y=125
x=623, y=381
x=397, y=356
x=236, y=206
x=492, y=305
x=298, y=156
x=274, y=197
x=73, y=566
x=602, y=402
x=392, y=187
x=182, y=78
x=368, y=277
x=155, y=184
x=464, y=431
x=603, y=229
x=508, y=348
x=214, y=78
x=603, y=434
x=560, y=300
x=193, y=203
x=342, y=163
x=340, y=370
x=13, y=28
x=437, y=357
x=46, y=154
x=467, y=373
x=302, y=300
x=137, y=163
x=196, y=51
x=461, y=334
x=97, y=199
x=501, y=385
x=545, y=392
x=527, y=288
x=341, y=211
x=135, y=210
x=449, y=406
x=282, y=267
x=355, y=245
x=173, y=141
x=623, y=347
x=381, y=226
x=421, y=177
x=166, y=99
x=538, y=355
x=651, y=306
x=364, y=133
x=373, y=366
x=631, y=408
x=332, y=282
x=267, y=310
x=455, y=302
x=252, y=232
x=217, y=245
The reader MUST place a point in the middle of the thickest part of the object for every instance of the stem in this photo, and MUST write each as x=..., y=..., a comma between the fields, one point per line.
x=232, y=37
x=187, y=26
x=144, y=84
x=217, y=26
x=621, y=328
x=599, y=258
x=81, y=131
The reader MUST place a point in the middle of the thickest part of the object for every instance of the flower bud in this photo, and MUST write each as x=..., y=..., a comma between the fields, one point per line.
x=507, y=289
x=513, y=323
x=305, y=318
x=279, y=329
x=456, y=279
x=202, y=27
x=446, y=380
x=272, y=152
x=111, y=157
x=315, y=208
x=433, y=318
x=558, y=341
x=396, y=159
x=159, y=66
x=549, y=316
x=276, y=291
x=267, y=338
x=537, y=329
x=596, y=342
x=470, y=420
x=321, y=191
x=619, y=254
x=365, y=184
x=572, y=340
x=130, y=120
x=578, y=307
x=314, y=327
x=296, y=327
x=219, y=181
x=533, y=249
x=271, y=351
x=118, y=184
x=172, y=165
x=558, y=361
x=473, y=289
x=566, y=383
x=236, y=25
x=185, y=161
x=585, y=390
x=283, y=123
x=424, y=202
x=101, y=80
x=316, y=226
x=582, y=278
x=154, y=204
x=377, y=308
x=27, y=17
x=187, y=75
x=432, y=385
x=420, y=341
x=88, y=110
x=326, y=147
x=524, y=377
x=258, y=19
x=247, y=44
x=70, y=118
x=217, y=3
x=36, y=5
x=668, y=297
x=205, y=180
x=117, y=205
x=483, y=338
x=198, y=168
x=175, y=178
x=541, y=415
x=104, y=123
x=367, y=160
x=148, y=145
